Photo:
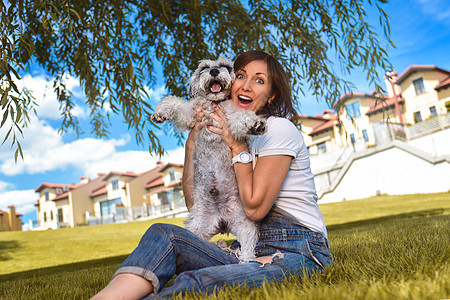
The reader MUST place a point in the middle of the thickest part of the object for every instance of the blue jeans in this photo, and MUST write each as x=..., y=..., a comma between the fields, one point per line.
x=166, y=250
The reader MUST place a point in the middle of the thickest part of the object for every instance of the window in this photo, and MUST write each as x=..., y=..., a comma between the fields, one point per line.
x=58, y=191
x=353, y=110
x=107, y=207
x=165, y=202
x=322, y=148
x=51, y=215
x=60, y=215
x=164, y=199
x=352, y=138
x=45, y=216
x=417, y=117
x=418, y=86
x=172, y=175
x=433, y=111
x=115, y=184
x=47, y=195
x=365, y=136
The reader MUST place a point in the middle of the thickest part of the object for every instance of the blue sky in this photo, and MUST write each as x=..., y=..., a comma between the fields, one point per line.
x=419, y=28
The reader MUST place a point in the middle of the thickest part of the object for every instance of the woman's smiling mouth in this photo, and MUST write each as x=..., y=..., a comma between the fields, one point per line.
x=244, y=100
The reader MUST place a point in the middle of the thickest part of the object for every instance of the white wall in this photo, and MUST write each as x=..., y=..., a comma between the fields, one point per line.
x=408, y=169
x=435, y=144
x=394, y=172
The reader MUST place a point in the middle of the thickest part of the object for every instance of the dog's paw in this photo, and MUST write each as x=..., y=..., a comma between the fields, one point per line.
x=245, y=257
x=158, y=118
x=258, y=127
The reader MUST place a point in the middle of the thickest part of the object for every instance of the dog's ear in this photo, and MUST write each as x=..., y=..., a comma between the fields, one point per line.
x=195, y=78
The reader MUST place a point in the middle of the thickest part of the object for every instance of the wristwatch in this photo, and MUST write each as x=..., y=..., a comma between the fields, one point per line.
x=243, y=157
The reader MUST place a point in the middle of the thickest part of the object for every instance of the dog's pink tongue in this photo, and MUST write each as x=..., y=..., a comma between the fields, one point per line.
x=215, y=88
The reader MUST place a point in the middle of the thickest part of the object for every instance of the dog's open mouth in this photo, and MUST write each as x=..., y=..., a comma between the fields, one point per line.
x=215, y=87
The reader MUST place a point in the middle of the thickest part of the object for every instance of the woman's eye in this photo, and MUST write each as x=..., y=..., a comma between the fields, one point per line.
x=260, y=81
x=239, y=76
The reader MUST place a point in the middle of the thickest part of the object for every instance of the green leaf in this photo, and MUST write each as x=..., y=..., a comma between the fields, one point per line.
x=7, y=135
x=19, y=114
x=20, y=150
x=54, y=17
x=15, y=155
x=5, y=116
x=75, y=13
x=4, y=100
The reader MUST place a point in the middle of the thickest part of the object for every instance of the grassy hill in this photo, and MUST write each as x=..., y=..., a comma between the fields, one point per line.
x=388, y=247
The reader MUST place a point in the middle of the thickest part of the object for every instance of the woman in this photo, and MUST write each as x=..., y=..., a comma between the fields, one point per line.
x=276, y=190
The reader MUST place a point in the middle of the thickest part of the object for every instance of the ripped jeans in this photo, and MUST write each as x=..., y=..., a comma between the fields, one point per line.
x=166, y=250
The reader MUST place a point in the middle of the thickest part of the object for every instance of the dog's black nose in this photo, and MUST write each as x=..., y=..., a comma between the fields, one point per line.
x=214, y=72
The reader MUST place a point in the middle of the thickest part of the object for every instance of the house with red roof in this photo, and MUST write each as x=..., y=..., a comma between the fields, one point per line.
x=101, y=199
x=426, y=90
x=359, y=111
x=164, y=192
x=321, y=132
x=10, y=219
x=64, y=205
x=419, y=93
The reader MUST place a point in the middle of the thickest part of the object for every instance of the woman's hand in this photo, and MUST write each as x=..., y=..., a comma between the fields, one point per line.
x=235, y=145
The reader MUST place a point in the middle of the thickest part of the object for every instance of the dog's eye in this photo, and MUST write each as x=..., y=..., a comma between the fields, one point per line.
x=229, y=68
x=204, y=67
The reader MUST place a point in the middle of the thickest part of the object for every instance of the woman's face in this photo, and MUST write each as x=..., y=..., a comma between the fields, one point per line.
x=252, y=87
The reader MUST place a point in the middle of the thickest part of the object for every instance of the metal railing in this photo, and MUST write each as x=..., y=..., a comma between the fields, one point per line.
x=437, y=123
x=144, y=212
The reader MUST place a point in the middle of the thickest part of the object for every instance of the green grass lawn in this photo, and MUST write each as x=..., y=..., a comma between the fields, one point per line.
x=388, y=247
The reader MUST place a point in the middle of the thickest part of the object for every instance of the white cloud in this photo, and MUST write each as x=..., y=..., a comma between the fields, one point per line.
x=81, y=112
x=4, y=186
x=156, y=94
x=134, y=161
x=23, y=200
x=44, y=96
x=44, y=150
x=438, y=9
x=48, y=105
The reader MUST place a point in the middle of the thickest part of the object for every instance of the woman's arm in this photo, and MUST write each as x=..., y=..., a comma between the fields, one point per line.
x=188, y=172
x=188, y=169
x=258, y=187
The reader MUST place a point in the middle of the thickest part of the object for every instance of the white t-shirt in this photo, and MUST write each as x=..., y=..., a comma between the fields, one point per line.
x=298, y=195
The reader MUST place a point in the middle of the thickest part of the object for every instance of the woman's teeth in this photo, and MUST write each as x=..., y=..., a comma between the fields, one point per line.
x=245, y=100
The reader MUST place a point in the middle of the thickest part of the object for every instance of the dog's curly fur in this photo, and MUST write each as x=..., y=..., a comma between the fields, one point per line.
x=217, y=207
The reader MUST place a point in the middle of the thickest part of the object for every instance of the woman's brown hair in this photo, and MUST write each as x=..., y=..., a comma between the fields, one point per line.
x=281, y=105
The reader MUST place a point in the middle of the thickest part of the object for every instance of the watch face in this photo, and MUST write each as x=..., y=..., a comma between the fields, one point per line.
x=245, y=157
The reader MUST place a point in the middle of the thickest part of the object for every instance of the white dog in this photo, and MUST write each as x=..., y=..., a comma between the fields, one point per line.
x=217, y=207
